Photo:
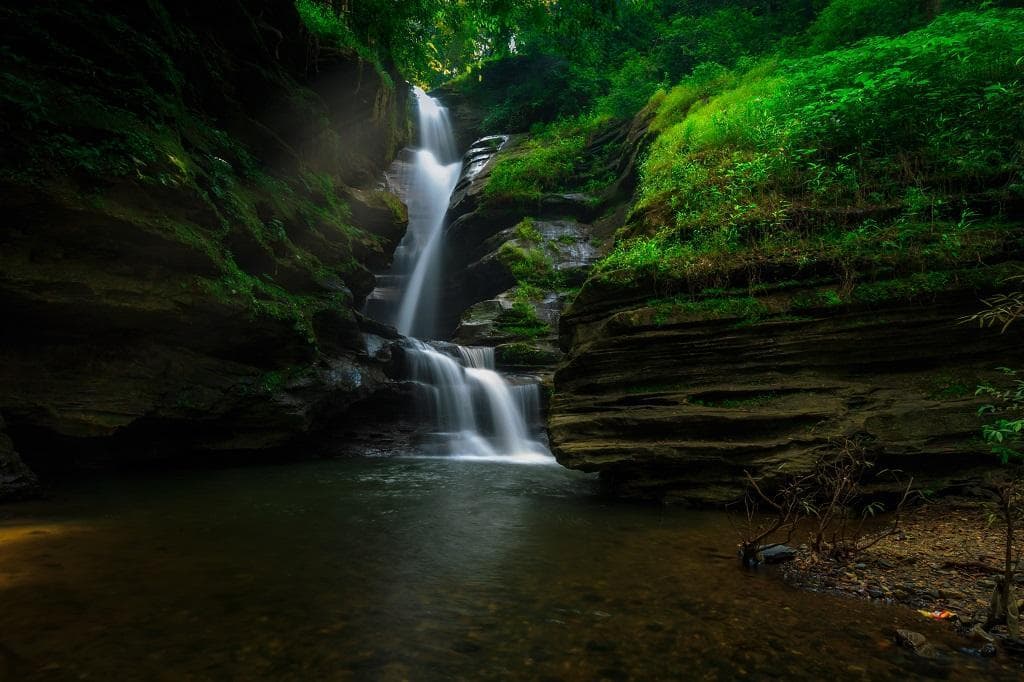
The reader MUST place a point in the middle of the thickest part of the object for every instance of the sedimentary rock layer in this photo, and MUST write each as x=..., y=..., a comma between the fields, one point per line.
x=676, y=405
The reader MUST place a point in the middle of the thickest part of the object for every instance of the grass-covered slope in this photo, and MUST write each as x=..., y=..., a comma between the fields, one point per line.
x=901, y=153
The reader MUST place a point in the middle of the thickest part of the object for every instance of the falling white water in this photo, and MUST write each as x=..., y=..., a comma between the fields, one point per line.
x=407, y=297
x=476, y=412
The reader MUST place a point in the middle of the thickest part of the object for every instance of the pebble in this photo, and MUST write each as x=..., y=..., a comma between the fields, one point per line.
x=916, y=642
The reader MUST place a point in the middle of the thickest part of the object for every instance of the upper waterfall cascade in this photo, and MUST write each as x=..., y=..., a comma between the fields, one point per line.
x=477, y=413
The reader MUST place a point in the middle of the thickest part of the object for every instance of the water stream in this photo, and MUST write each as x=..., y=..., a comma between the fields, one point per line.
x=477, y=414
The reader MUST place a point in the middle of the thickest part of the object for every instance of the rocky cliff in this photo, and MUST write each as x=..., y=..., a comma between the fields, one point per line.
x=674, y=399
x=191, y=218
x=514, y=262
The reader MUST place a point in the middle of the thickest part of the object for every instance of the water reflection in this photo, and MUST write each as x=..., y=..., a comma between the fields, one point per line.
x=421, y=569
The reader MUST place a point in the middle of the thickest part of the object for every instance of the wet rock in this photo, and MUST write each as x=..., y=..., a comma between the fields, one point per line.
x=476, y=167
x=466, y=647
x=985, y=651
x=777, y=554
x=917, y=643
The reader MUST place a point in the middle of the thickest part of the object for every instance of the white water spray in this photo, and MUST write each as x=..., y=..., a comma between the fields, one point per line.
x=476, y=412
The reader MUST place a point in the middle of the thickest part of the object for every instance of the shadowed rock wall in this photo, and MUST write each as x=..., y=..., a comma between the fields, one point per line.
x=676, y=404
x=191, y=218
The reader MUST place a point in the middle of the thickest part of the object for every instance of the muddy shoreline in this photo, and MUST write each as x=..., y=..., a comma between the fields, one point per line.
x=943, y=563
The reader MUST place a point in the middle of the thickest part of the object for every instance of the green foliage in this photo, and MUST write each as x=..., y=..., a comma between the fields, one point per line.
x=746, y=307
x=332, y=29
x=519, y=91
x=846, y=21
x=1002, y=309
x=906, y=289
x=843, y=22
x=548, y=162
x=428, y=40
x=722, y=36
x=630, y=87
x=530, y=266
x=1005, y=433
x=526, y=231
x=859, y=153
x=948, y=387
x=521, y=321
x=527, y=293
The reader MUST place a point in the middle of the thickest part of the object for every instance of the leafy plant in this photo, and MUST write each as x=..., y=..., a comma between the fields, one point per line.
x=1001, y=309
x=1005, y=434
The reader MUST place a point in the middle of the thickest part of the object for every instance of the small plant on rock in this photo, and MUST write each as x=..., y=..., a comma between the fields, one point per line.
x=841, y=529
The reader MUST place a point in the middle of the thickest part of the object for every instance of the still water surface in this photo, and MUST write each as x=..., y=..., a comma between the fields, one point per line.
x=418, y=569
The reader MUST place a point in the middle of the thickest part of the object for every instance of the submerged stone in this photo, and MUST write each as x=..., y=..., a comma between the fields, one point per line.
x=917, y=643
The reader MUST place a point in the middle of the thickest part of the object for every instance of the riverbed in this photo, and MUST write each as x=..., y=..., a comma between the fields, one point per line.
x=413, y=569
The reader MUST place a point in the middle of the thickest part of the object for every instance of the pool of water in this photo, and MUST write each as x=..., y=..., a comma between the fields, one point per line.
x=412, y=569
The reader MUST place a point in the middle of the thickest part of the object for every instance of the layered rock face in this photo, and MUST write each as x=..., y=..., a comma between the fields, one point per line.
x=492, y=247
x=192, y=215
x=675, y=402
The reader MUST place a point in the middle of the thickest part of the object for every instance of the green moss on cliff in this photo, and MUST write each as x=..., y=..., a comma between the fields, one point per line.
x=521, y=321
x=124, y=125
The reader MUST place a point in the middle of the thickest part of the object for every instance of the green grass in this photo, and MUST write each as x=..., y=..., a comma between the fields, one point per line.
x=526, y=231
x=747, y=307
x=554, y=160
x=898, y=150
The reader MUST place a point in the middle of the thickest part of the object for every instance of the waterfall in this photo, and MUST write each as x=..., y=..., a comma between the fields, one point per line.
x=477, y=414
